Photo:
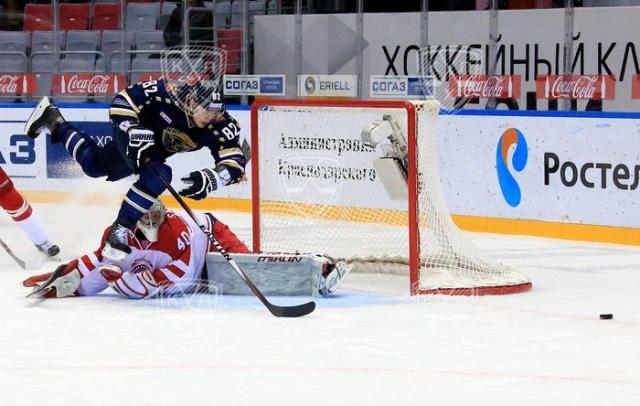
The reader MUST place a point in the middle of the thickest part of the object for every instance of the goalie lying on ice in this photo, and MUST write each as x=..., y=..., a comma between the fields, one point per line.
x=169, y=257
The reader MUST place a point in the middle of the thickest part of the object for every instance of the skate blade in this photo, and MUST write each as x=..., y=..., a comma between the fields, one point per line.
x=37, y=112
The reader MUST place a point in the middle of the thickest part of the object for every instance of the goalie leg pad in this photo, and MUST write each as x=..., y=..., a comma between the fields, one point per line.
x=274, y=274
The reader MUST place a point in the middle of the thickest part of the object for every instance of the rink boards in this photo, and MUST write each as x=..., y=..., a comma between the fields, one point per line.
x=565, y=175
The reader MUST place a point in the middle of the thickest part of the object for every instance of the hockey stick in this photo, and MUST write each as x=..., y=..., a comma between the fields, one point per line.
x=278, y=311
x=23, y=264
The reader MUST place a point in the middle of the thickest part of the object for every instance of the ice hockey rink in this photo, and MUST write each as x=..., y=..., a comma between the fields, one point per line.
x=371, y=344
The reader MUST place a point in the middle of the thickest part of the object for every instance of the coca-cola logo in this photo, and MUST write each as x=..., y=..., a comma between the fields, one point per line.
x=94, y=84
x=87, y=83
x=10, y=83
x=483, y=86
x=575, y=87
x=582, y=88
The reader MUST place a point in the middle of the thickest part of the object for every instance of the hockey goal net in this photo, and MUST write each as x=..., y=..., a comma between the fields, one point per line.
x=315, y=189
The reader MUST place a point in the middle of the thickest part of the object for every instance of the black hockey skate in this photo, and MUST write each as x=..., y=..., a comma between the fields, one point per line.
x=48, y=248
x=116, y=247
x=44, y=118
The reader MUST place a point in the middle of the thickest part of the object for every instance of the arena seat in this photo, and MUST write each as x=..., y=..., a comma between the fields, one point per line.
x=148, y=41
x=142, y=16
x=44, y=41
x=82, y=40
x=37, y=17
x=116, y=64
x=106, y=16
x=256, y=7
x=231, y=41
x=43, y=66
x=141, y=66
x=14, y=41
x=77, y=65
x=74, y=16
x=168, y=7
x=222, y=13
x=112, y=43
x=12, y=65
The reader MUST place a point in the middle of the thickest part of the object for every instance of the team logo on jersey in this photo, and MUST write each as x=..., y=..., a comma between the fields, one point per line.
x=176, y=141
x=141, y=265
x=508, y=185
x=166, y=117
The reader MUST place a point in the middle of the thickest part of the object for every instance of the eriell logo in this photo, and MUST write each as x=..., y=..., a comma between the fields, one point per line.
x=508, y=185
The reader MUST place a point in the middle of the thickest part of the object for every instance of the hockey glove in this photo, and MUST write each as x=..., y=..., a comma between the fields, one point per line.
x=141, y=145
x=201, y=183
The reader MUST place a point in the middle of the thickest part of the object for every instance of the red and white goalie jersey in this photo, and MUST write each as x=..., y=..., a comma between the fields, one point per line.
x=172, y=265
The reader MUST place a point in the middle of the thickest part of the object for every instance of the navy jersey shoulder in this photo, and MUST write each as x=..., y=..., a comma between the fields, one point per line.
x=154, y=108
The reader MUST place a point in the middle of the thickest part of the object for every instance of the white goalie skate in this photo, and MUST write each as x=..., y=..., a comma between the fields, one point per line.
x=331, y=282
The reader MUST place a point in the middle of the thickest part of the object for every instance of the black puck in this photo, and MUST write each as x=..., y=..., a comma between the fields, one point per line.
x=606, y=316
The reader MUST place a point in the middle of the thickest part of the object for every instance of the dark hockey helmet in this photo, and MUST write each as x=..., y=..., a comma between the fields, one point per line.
x=195, y=74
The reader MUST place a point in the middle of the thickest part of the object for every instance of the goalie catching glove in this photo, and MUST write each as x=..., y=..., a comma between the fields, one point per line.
x=141, y=145
x=204, y=181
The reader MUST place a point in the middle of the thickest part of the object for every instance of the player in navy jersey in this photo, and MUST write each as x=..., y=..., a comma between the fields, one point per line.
x=152, y=121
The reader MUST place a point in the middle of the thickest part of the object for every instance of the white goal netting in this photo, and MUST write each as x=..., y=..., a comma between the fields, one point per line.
x=315, y=190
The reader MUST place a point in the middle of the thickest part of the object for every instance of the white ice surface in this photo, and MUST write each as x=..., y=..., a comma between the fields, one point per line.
x=371, y=345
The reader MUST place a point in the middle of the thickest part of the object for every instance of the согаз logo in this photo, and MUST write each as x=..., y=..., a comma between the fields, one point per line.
x=508, y=184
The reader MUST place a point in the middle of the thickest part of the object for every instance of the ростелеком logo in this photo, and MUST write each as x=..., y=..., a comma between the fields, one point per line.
x=508, y=185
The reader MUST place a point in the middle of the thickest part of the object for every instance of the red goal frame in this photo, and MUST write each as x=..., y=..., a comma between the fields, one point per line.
x=414, y=269
x=414, y=246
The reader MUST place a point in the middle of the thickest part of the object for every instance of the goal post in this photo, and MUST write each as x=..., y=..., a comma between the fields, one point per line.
x=315, y=189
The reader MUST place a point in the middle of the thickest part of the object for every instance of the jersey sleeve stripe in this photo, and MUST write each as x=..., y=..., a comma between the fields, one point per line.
x=114, y=111
x=161, y=278
x=128, y=99
x=224, y=153
x=88, y=263
x=174, y=268
x=231, y=163
x=167, y=278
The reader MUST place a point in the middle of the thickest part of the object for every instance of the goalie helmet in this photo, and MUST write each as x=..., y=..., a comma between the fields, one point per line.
x=152, y=220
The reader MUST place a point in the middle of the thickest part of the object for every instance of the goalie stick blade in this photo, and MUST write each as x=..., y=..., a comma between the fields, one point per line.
x=43, y=289
x=292, y=311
